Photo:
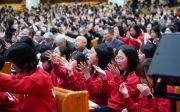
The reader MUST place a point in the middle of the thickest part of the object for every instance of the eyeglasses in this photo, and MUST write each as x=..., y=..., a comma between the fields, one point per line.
x=119, y=58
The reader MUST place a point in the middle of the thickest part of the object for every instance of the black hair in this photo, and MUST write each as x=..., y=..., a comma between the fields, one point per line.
x=27, y=40
x=142, y=68
x=148, y=49
x=65, y=51
x=105, y=54
x=109, y=28
x=137, y=29
x=23, y=56
x=2, y=62
x=10, y=22
x=121, y=30
x=44, y=58
x=2, y=42
x=79, y=57
x=54, y=30
x=171, y=28
x=132, y=57
x=156, y=29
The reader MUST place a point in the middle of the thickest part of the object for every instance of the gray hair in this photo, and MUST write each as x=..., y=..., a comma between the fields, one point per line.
x=60, y=38
x=82, y=38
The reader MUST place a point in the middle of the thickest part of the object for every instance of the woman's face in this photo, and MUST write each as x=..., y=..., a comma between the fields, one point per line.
x=133, y=32
x=15, y=25
x=121, y=60
x=92, y=57
x=116, y=31
x=141, y=55
x=153, y=34
x=56, y=52
x=148, y=28
x=45, y=65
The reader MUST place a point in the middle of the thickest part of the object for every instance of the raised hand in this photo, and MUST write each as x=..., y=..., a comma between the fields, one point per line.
x=114, y=70
x=69, y=67
x=7, y=45
x=99, y=70
x=123, y=90
x=124, y=110
x=85, y=70
x=143, y=88
x=62, y=61
x=52, y=57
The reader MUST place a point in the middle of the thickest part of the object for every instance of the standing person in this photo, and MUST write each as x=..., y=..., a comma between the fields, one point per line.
x=127, y=59
x=8, y=103
x=32, y=83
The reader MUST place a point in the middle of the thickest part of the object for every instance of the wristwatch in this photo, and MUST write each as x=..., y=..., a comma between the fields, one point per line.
x=149, y=96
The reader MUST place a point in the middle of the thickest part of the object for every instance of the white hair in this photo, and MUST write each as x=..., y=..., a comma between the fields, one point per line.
x=60, y=38
x=82, y=38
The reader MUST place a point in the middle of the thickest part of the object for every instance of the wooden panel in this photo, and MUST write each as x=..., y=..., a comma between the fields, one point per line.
x=6, y=68
x=16, y=7
x=71, y=101
x=10, y=1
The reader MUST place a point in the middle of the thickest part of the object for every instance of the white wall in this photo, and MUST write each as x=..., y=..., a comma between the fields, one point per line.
x=119, y=2
x=30, y=3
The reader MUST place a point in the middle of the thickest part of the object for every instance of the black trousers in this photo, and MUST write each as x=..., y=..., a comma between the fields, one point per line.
x=105, y=109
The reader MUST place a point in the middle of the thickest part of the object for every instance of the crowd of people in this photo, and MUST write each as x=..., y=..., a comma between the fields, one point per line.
x=53, y=46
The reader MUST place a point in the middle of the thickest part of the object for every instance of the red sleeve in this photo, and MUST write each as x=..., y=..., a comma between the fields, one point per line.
x=94, y=86
x=141, y=38
x=163, y=105
x=76, y=81
x=142, y=106
x=135, y=43
x=131, y=83
x=8, y=102
x=59, y=71
x=125, y=40
x=107, y=86
x=23, y=83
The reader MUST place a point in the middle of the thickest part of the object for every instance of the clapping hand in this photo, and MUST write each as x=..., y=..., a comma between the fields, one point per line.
x=143, y=88
x=69, y=67
x=85, y=70
x=114, y=70
x=54, y=59
x=123, y=90
x=99, y=70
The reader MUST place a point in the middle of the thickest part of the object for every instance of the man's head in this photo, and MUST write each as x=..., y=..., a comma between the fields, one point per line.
x=26, y=32
x=80, y=43
x=60, y=40
x=108, y=33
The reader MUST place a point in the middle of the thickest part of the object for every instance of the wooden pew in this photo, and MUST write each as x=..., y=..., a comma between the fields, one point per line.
x=16, y=7
x=6, y=68
x=71, y=101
